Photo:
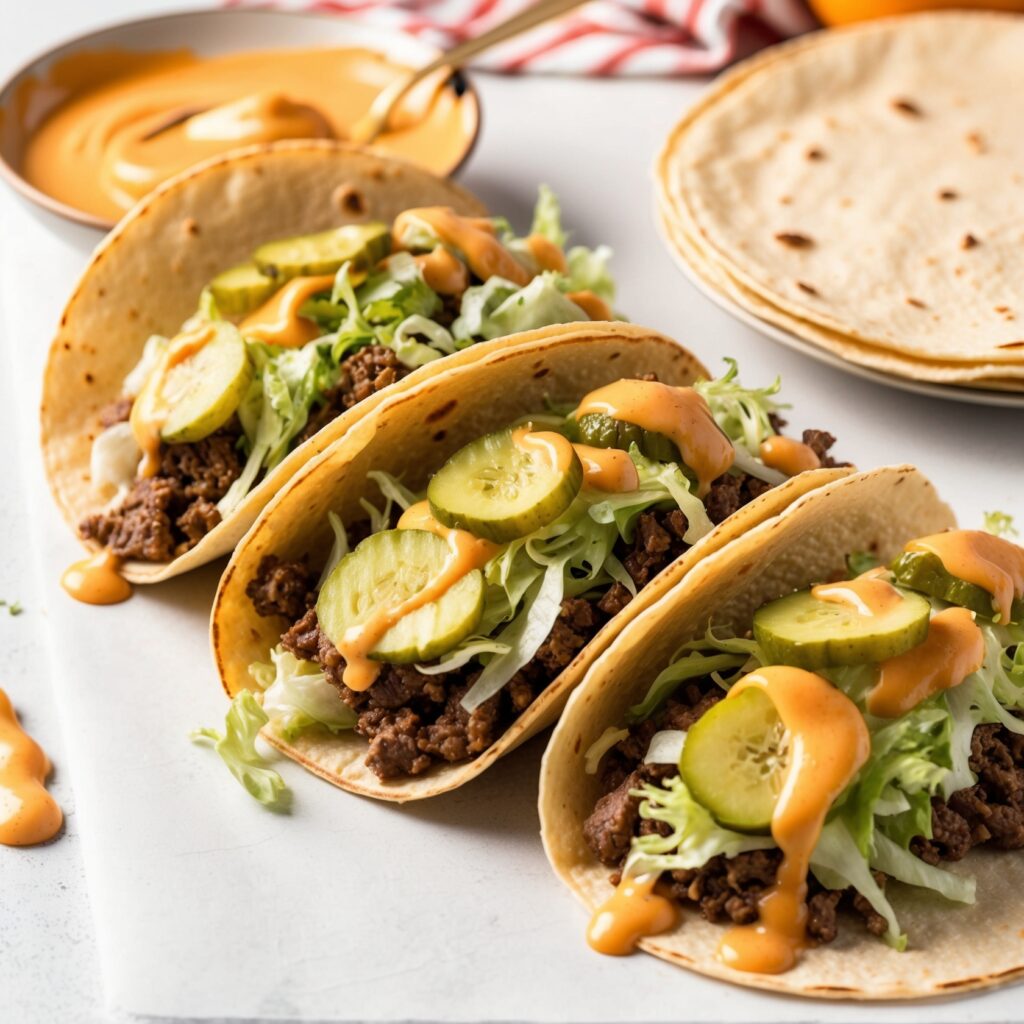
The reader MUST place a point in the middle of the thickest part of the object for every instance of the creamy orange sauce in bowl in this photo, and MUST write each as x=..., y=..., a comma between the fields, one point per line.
x=92, y=126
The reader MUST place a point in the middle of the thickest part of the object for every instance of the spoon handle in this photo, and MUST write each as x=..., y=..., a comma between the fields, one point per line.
x=375, y=120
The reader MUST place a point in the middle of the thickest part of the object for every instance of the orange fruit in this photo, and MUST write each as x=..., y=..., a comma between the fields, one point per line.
x=843, y=12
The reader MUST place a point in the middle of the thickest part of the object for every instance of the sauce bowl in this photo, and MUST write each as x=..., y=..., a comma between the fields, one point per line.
x=24, y=105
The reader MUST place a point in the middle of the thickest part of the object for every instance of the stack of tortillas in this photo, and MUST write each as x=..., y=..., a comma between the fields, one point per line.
x=863, y=190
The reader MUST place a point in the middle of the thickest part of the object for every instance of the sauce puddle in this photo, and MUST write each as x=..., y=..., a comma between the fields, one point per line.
x=28, y=814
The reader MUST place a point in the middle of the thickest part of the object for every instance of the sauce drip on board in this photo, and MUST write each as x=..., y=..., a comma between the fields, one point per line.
x=465, y=553
x=867, y=595
x=987, y=561
x=681, y=414
x=472, y=237
x=277, y=321
x=631, y=913
x=607, y=469
x=953, y=649
x=28, y=814
x=787, y=455
x=153, y=404
x=828, y=742
x=130, y=120
x=97, y=579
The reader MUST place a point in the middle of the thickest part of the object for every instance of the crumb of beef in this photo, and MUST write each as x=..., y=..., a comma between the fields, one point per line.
x=393, y=751
x=609, y=829
x=360, y=375
x=116, y=412
x=576, y=624
x=165, y=515
x=820, y=441
x=729, y=493
x=989, y=812
x=459, y=734
x=282, y=588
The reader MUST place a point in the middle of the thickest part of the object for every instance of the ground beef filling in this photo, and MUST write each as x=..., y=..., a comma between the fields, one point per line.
x=727, y=890
x=165, y=515
x=362, y=374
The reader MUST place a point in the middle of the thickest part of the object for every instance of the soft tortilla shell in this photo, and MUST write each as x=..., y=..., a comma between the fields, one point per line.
x=146, y=276
x=410, y=436
x=735, y=172
x=693, y=261
x=952, y=948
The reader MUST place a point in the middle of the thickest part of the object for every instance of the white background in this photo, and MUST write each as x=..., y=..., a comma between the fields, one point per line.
x=198, y=902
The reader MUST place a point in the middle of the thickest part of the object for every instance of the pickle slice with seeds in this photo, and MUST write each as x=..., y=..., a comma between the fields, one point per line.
x=601, y=431
x=802, y=631
x=387, y=569
x=923, y=571
x=362, y=245
x=499, y=490
x=734, y=761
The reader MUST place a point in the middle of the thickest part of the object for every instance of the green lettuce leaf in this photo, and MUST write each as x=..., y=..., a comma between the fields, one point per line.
x=237, y=749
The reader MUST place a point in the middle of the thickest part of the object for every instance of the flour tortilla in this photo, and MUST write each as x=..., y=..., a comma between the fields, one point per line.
x=410, y=436
x=952, y=948
x=993, y=376
x=146, y=276
x=735, y=172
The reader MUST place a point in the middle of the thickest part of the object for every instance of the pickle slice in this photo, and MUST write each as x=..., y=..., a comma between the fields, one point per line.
x=734, y=761
x=499, y=490
x=241, y=289
x=802, y=631
x=387, y=569
x=603, y=431
x=923, y=571
x=362, y=245
x=203, y=391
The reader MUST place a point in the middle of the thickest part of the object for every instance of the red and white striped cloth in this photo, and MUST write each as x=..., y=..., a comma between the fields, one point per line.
x=605, y=37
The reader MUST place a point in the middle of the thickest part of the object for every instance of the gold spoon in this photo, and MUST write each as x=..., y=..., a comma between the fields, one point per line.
x=375, y=120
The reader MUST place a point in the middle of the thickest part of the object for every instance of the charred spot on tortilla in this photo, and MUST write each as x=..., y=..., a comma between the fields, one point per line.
x=976, y=142
x=905, y=106
x=794, y=239
x=542, y=372
x=916, y=303
x=967, y=242
x=947, y=193
x=809, y=288
x=815, y=153
x=350, y=200
x=440, y=436
x=190, y=226
x=441, y=411
x=1011, y=344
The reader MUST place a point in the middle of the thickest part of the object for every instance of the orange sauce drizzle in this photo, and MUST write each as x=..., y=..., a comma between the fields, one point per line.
x=130, y=120
x=787, y=455
x=953, y=649
x=552, y=448
x=593, y=305
x=28, y=814
x=277, y=321
x=631, y=913
x=681, y=414
x=989, y=562
x=152, y=406
x=607, y=469
x=465, y=553
x=443, y=271
x=473, y=237
x=97, y=579
x=546, y=254
x=828, y=742
x=867, y=595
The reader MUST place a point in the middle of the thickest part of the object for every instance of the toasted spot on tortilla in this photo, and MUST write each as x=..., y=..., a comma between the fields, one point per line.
x=542, y=372
x=905, y=106
x=440, y=435
x=441, y=411
x=349, y=200
x=794, y=239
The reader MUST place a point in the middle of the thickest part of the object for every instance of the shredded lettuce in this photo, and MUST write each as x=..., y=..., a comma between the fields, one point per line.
x=538, y=304
x=694, y=666
x=297, y=695
x=339, y=549
x=1000, y=524
x=695, y=838
x=601, y=746
x=547, y=218
x=237, y=749
x=744, y=414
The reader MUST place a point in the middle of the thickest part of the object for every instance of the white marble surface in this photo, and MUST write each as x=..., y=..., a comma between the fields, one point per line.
x=203, y=910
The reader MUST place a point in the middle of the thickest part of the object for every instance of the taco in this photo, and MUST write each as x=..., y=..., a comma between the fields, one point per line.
x=246, y=313
x=786, y=767
x=538, y=499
